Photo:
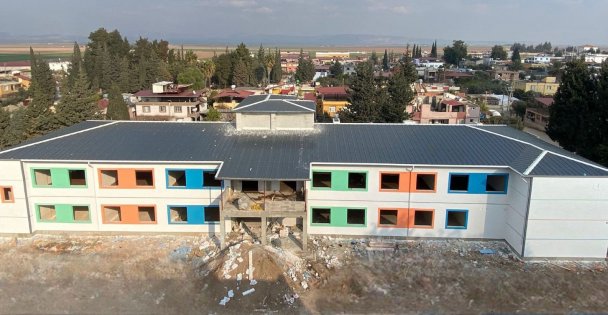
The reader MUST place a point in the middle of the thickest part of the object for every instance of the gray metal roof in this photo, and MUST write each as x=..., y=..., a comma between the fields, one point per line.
x=288, y=154
x=275, y=103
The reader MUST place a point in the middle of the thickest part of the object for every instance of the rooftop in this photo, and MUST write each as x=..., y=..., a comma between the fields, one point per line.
x=275, y=103
x=288, y=155
x=186, y=93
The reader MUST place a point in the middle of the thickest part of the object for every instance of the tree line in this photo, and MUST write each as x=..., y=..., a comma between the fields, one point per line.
x=579, y=115
x=238, y=67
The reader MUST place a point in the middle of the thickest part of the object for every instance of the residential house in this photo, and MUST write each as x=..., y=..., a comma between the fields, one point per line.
x=333, y=99
x=596, y=58
x=230, y=98
x=168, y=101
x=373, y=180
x=447, y=111
x=8, y=88
x=538, y=117
x=505, y=75
x=23, y=79
x=547, y=86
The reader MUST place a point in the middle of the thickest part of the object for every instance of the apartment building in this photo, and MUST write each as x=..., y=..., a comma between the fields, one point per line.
x=547, y=86
x=392, y=180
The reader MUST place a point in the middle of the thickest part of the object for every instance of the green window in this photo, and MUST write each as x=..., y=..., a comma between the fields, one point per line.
x=59, y=178
x=50, y=213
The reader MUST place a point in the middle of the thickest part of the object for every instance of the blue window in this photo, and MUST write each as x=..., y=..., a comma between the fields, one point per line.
x=193, y=214
x=456, y=219
x=192, y=179
x=478, y=183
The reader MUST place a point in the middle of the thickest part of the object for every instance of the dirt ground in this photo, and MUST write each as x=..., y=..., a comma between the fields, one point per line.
x=173, y=274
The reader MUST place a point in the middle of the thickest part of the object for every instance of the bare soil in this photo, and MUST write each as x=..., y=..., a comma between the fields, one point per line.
x=189, y=275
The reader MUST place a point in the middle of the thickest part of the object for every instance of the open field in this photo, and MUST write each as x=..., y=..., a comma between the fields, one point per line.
x=15, y=52
x=171, y=274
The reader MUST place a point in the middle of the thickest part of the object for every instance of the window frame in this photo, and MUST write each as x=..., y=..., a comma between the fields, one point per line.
x=396, y=225
x=412, y=219
x=415, y=182
x=100, y=174
x=348, y=209
x=168, y=171
x=35, y=181
x=398, y=182
x=214, y=172
x=39, y=213
x=144, y=170
x=125, y=208
x=11, y=194
x=312, y=181
x=70, y=179
x=357, y=188
x=146, y=109
x=505, y=178
x=466, y=219
x=175, y=109
x=205, y=221
x=312, y=210
x=450, y=190
x=162, y=109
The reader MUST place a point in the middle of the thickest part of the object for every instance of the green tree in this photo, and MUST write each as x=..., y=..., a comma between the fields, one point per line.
x=578, y=115
x=223, y=70
x=455, y=53
x=305, y=71
x=16, y=130
x=77, y=104
x=240, y=75
x=362, y=96
x=374, y=58
x=385, y=64
x=5, y=120
x=117, y=108
x=75, y=66
x=269, y=61
x=192, y=75
x=336, y=69
x=434, y=50
x=213, y=115
x=498, y=52
x=207, y=68
x=43, y=89
x=400, y=93
x=277, y=71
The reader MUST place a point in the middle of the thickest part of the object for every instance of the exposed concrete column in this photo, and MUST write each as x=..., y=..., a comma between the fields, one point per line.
x=305, y=233
x=264, y=227
x=222, y=231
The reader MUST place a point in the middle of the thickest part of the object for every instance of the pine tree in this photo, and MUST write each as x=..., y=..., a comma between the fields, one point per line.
x=16, y=130
x=414, y=50
x=362, y=96
x=43, y=90
x=400, y=93
x=305, y=71
x=5, y=120
x=117, y=108
x=240, y=74
x=78, y=104
x=385, y=63
x=374, y=58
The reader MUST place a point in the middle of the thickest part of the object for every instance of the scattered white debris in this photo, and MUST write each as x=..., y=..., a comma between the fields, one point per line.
x=230, y=293
x=224, y=300
x=249, y=291
x=239, y=277
x=304, y=285
x=253, y=282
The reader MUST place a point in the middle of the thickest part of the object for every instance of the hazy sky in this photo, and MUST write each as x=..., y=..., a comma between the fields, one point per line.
x=558, y=21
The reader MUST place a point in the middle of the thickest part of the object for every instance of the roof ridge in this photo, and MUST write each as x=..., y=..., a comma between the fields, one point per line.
x=542, y=149
x=265, y=99
x=58, y=137
x=306, y=108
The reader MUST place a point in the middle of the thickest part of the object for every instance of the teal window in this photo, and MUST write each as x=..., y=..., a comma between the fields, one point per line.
x=357, y=180
x=321, y=179
x=60, y=213
x=456, y=219
x=59, y=178
x=321, y=215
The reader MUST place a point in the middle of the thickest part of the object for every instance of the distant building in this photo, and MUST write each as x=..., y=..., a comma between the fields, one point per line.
x=333, y=99
x=546, y=86
x=275, y=112
x=596, y=58
x=168, y=101
x=447, y=111
x=230, y=98
x=538, y=118
x=505, y=75
x=540, y=59
x=8, y=88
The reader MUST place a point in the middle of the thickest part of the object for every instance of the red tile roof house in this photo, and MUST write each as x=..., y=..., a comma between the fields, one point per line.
x=230, y=98
x=168, y=101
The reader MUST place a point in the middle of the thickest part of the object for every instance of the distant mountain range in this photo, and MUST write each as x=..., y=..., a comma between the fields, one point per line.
x=286, y=40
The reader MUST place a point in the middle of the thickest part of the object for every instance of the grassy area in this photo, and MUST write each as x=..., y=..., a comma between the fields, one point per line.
x=22, y=57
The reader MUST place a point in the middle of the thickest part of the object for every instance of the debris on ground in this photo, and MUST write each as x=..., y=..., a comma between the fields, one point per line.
x=155, y=274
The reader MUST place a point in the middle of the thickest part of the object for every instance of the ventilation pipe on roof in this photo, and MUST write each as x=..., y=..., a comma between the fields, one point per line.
x=233, y=87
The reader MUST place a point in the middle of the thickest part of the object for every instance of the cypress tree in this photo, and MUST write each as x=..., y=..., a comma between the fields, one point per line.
x=239, y=75
x=277, y=70
x=75, y=66
x=42, y=89
x=400, y=93
x=385, y=64
x=117, y=108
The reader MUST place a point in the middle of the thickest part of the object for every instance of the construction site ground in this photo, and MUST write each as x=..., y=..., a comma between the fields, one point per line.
x=175, y=274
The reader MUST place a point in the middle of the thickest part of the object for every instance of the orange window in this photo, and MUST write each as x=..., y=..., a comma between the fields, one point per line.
x=424, y=182
x=7, y=194
x=395, y=218
x=126, y=178
x=395, y=182
x=421, y=218
x=129, y=214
